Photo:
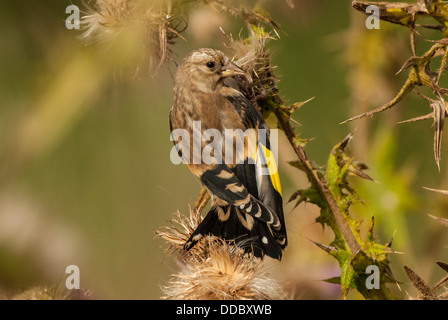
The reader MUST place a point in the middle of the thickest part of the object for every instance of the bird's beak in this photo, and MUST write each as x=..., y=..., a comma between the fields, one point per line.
x=230, y=70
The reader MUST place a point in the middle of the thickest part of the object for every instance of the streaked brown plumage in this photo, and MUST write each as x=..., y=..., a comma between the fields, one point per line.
x=246, y=206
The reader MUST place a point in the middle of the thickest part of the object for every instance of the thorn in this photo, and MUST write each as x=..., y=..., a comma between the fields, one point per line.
x=290, y=3
x=344, y=143
x=389, y=244
x=443, y=265
x=442, y=283
x=445, y=192
x=296, y=122
x=334, y=280
x=359, y=173
x=298, y=105
x=295, y=195
x=425, y=117
x=408, y=63
x=442, y=41
x=328, y=249
x=389, y=273
x=393, y=251
x=425, y=97
x=372, y=225
x=430, y=26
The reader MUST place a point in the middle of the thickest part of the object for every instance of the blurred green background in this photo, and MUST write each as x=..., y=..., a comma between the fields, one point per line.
x=85, y=172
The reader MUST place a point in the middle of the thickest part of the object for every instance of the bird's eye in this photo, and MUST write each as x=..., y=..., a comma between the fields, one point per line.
x=210, y=64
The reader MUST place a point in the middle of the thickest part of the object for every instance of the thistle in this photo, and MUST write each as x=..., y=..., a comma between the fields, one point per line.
x=54, y=292
x=214, y=269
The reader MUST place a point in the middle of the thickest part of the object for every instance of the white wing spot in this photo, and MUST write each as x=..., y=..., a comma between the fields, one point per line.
x=223, y=216
x=258, y=214
x=264, y=240
x=225, y=175
x=234, y=187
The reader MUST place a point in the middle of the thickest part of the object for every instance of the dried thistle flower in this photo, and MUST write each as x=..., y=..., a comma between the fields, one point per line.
x=255, y=59
x=105, y=19
x=214, y=269
x=252, y=55
x=179, y=231
x=53, y=293
x=222, y=272
x=156, y=22
x=244, y=10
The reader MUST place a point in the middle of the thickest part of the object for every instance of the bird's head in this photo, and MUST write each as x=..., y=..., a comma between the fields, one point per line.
x=205, y=70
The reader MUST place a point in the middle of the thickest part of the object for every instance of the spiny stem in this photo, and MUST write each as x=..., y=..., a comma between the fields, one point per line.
x=319, y=182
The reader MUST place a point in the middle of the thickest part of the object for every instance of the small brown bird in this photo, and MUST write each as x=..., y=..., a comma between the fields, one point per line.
x=246, y=202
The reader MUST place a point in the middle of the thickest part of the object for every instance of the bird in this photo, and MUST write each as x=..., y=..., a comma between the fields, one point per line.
x=246, y=202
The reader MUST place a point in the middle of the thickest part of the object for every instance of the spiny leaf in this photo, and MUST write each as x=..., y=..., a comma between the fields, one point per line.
x=311, y=195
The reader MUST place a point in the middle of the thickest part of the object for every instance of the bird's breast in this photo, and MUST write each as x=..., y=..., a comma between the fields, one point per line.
x=211, y=122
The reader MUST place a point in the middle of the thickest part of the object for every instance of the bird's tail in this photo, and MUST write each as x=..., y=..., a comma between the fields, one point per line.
x=230, y=223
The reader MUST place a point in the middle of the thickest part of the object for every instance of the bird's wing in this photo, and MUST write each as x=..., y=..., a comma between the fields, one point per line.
x=224, y=183
x=259, y=172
